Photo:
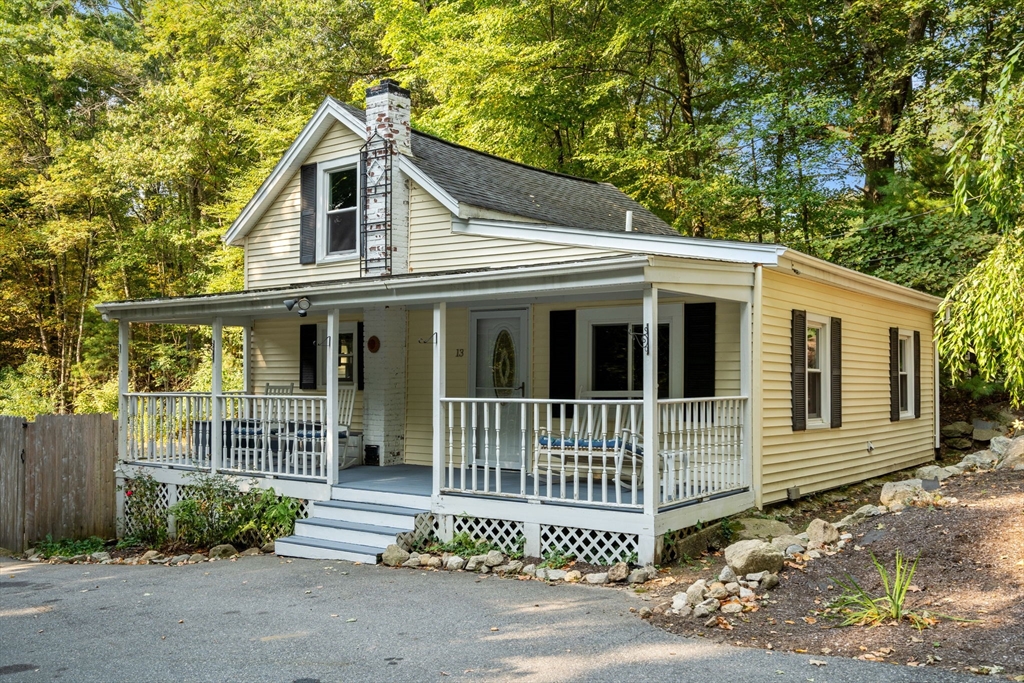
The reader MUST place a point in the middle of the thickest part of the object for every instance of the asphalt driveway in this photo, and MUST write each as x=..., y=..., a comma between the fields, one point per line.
x=264, y=619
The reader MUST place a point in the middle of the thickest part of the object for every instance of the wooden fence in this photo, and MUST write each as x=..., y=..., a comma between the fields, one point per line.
x=57, y=478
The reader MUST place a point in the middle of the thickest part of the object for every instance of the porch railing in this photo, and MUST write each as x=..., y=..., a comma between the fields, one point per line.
x=264, y=435
x=583, y=452
x=169, y=428
x=701, y=449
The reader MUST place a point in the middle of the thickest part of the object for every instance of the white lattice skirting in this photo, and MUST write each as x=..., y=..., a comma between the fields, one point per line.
x=589, y=545
x=506, y=534
x=424, y=529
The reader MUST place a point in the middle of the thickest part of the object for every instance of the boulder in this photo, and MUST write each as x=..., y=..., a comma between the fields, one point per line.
x=753, y=556
x=769, y=582
x=637, y=576
x=999, y=445
x=985, y=435
x=573, y=576
x=530, y=570
x=983, y=460
x=705, y=608
x=958, y=444
x=455, y=563
x=394, y=555
x=932, y=472
x=600, y=578
x=99, y=556
x=907, y=492
x=196, y=558
x=695, y=593
x=494, y=558
x=152, y=555
x=765, y=529
x=732, y=608
x=552, y=574
x=717, y=591
x=413, y=561
x=618, y=572
x=820, y=531
x=222, y=551
x=179, y=559
x=514, y=567
x=432, y=562
x=1013, y=458
x=957, y=429
x=475, y=562
x=249, y=552
x=732, y=588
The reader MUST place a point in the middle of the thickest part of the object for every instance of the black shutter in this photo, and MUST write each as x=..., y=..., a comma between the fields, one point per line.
x=894, y=374
x=836, y=372
x=360, y=344
x=698, y=350
x=307, y=356
x=917, y=374
x=562, y=358
x=799, y=373
x=307, y=216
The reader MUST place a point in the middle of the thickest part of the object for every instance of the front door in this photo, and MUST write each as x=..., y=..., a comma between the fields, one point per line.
x=499, y=366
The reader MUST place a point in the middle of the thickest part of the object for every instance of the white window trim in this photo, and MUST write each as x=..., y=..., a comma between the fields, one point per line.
x=586, y=318
x=324, y=168
x=825, y=362
x=321, y=353
x=907, y=414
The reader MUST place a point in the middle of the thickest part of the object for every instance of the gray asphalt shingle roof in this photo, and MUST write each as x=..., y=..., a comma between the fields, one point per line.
x=489, y=182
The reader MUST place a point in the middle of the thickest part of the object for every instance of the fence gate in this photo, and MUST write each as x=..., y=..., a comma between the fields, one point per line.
x=57, y=478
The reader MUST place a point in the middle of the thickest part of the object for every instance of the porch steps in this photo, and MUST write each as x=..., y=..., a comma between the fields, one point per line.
x=357, y=524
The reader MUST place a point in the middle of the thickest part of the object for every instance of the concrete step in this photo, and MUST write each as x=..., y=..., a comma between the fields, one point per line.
x=320, y=549
x=357, y=495
x=367, y=513
x=356, y=533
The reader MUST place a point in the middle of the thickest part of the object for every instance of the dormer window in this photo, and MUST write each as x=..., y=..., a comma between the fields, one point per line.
x=338, y=219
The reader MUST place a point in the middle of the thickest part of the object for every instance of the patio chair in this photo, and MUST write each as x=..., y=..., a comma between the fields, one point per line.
x=587, y=448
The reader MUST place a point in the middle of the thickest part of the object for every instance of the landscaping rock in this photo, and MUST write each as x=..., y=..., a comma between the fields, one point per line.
x=196, y=558
x=76, y=559
x=475, y=562
x=907, y=492
x=765, y=529
x=1013, y=457
x=679, y=601
x=646, y=612
x=717, y=591
x=601, y=578
x=455, y=563
x=640, y=575
x=732, y=608
x=985, y=435
x=999, y=445
x=413, y=561
x=983, y=460
x=732, y=588
x=705, y=608
x=820, y=531
x=958, y=444
x=179, y=559
x=573, y=576
x=530, y=570
x=99, y=556
x=792, y=550
x=957, y=429
x=393, y=556
x=932, y=472
x=784, y=542
x=727, y=574
x=553, y=574
x=514, y=567
x=222, y=552
x=269, y=548
x=618, y=572
x=769, y=582
x=494, y=558
x=746, y=594
x=250, y=552
x=756, y=576
x=753, y=556
x=433, y=562
x=151, y=555
x=695, y=593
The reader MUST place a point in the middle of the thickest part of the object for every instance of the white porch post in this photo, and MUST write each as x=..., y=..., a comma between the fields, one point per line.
x=123, y=334
x=247, y=357
x=652, y=484
x=331, y=428
x=216, y=388
x=746, y=385
x=440, y=389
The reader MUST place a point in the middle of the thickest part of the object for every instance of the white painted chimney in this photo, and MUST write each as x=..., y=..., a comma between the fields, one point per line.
x=387, y=113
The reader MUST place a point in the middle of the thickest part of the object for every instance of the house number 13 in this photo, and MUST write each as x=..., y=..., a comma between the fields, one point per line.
x=459, y=353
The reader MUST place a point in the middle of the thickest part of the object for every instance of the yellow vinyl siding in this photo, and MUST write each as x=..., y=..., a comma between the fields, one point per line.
x=822, y=458
x=727, y=348
x=433, y=246
x=272, y=247
x=419, y=415
x=275, y=358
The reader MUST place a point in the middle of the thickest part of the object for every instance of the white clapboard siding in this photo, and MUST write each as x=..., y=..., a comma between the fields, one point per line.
x=727, y=348
x=272, y=247
x=275, y=357
x=433, y=246
x=818, y=459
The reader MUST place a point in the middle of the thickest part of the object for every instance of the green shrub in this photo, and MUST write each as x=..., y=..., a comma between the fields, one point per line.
x=556, y=558
x=67, y=547
x=147, y=521
x=861, y=608
x=463, y=545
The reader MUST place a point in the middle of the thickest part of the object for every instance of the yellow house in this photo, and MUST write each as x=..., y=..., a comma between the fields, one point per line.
x=438, y=340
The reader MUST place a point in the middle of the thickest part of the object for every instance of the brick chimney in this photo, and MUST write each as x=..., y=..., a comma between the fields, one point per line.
x=387, y=113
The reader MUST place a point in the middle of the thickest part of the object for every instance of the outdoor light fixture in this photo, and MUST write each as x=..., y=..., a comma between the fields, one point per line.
x=302, y=304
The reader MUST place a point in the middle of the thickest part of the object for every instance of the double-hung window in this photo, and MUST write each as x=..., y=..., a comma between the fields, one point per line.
x=338, y=220
x=817, y=371
x=817, y=374
x=904, y=374
x=347, y=358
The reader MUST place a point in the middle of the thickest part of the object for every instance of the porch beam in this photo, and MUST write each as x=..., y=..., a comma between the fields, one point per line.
x=331, y=428
x=440, y=390
x=652, y=484
x=123, y=336
x=216, y=391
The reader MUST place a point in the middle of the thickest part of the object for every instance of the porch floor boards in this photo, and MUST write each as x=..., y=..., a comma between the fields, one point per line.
x=417, y=480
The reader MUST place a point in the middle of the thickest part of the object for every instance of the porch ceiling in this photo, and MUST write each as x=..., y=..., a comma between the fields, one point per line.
x=619, y=274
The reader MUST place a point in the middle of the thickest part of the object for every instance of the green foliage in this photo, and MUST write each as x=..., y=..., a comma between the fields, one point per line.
x=67, y=547
x=214, y=510
x=556, y=558
x=860, y=608
x=143, y=507
x=463, y=545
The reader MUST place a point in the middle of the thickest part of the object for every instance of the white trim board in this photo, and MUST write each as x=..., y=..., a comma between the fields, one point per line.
x=632, y=242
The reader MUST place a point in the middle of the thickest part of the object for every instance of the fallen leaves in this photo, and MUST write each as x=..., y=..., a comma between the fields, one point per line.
x=723, y=623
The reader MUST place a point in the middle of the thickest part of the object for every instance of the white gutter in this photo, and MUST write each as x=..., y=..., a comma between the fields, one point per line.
x=632, y=242
x=829, y=273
